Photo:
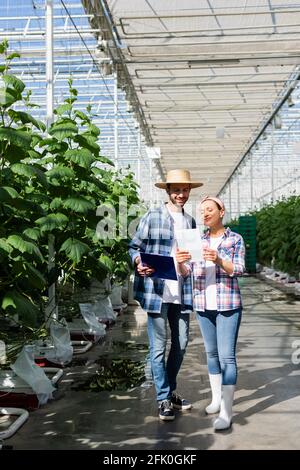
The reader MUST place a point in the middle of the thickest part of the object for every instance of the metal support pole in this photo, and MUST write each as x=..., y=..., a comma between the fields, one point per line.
x=230, y=200
x=251, y=182
x=49, y=61
x=238, y=194
x=272, y=162
x=116, y=120
x=139, y=157
x=51, y=309
x=150, y=180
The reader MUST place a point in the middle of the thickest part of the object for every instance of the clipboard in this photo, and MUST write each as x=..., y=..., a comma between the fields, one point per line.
x=190, y=240
x=164, y=265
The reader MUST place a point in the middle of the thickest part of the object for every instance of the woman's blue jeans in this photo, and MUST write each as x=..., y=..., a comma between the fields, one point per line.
x=220, y=332
x=164, y=373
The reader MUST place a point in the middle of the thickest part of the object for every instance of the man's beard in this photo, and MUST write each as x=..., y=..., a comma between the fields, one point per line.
x=176, y=203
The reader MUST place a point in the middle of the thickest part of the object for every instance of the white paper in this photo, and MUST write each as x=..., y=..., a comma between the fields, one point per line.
x=190, y=240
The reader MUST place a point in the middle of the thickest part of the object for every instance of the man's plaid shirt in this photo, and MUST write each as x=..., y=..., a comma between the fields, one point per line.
x=228, y=293
x=155, y=234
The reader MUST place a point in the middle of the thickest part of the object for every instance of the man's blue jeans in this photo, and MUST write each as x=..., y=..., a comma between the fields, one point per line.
x=164, y=374
x=220, y=332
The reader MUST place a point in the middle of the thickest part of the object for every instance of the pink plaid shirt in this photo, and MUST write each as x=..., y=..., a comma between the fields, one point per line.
x=228, y=293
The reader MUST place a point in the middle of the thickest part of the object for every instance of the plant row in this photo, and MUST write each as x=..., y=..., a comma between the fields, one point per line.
x=51, y=183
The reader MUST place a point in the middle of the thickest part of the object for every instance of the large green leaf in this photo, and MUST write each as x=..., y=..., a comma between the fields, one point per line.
x=74, y=249
x=7, y=97
x=84, y=117
x=36, y=139
x=16, y=137
x=26, y=118
x=94, y=129
x=63, y=108
x=56, y=221
x=33, y=233
x=15, y=153
x=30, y=171
x=7, y=193
x=63, y=130
x=33, y=277
x=56, y=203
x=101, y=172
x=25, y=205
x=82, y=157
x=47, y=141
x=98, y=268
x=13, y=82
x=4, y=246
x=85, y=142
x=54, y=146
x=33, y=155
x=61, y=172
x=98, y=183
x=14, y=302
x=13, y=55
x=78, y=204
x=107, y=262
x=106, y=160
x=24, y=246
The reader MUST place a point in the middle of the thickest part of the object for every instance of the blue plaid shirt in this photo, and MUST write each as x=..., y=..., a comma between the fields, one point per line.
x=155, y=234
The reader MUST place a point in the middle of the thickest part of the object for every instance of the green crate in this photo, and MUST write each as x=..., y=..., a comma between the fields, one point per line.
x=249, y=220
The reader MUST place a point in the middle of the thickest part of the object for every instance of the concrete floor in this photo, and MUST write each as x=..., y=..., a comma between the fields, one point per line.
x=267, y=401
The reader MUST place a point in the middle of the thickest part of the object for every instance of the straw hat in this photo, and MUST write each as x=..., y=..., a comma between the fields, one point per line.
x=180, y=177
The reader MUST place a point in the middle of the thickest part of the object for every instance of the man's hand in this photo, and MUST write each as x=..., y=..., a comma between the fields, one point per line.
x=143, y=270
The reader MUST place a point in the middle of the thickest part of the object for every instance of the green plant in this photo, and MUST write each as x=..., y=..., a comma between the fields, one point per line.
x=123, y=197
x=75, y=189
x=278, y=235
x=80, y=180
x=50, y=188
x=22, y=187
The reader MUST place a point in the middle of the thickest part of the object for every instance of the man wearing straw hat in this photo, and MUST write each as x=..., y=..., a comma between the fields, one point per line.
x=165, y=301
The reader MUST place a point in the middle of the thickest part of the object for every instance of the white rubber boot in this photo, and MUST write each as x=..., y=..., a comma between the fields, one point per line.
x=215, y=384
x=225, y=416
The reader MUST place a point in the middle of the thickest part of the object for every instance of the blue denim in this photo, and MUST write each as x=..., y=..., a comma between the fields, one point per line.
x=164, y=374
x=220, y=332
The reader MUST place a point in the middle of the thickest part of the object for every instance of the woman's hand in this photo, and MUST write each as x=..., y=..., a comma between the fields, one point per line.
x=210, y=255
x=182, y=256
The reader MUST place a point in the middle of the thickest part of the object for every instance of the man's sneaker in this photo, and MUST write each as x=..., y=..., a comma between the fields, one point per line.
x=166, y=412
x=180, y=403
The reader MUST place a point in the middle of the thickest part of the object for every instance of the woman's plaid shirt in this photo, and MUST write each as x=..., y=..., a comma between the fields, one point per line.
x=228, y=293
x=155, y=234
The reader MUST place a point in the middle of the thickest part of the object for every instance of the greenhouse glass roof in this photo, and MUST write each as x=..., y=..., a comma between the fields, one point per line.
x=210, y=84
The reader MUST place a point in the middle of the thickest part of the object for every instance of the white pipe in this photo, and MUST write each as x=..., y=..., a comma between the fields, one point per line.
x=85, y=346
x=58, y=373
x=23, y=416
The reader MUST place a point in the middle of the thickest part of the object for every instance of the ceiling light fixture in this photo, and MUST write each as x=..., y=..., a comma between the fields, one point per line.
x=220, y=132
x=290, y=101
x=277, y=122
x=212, y=62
